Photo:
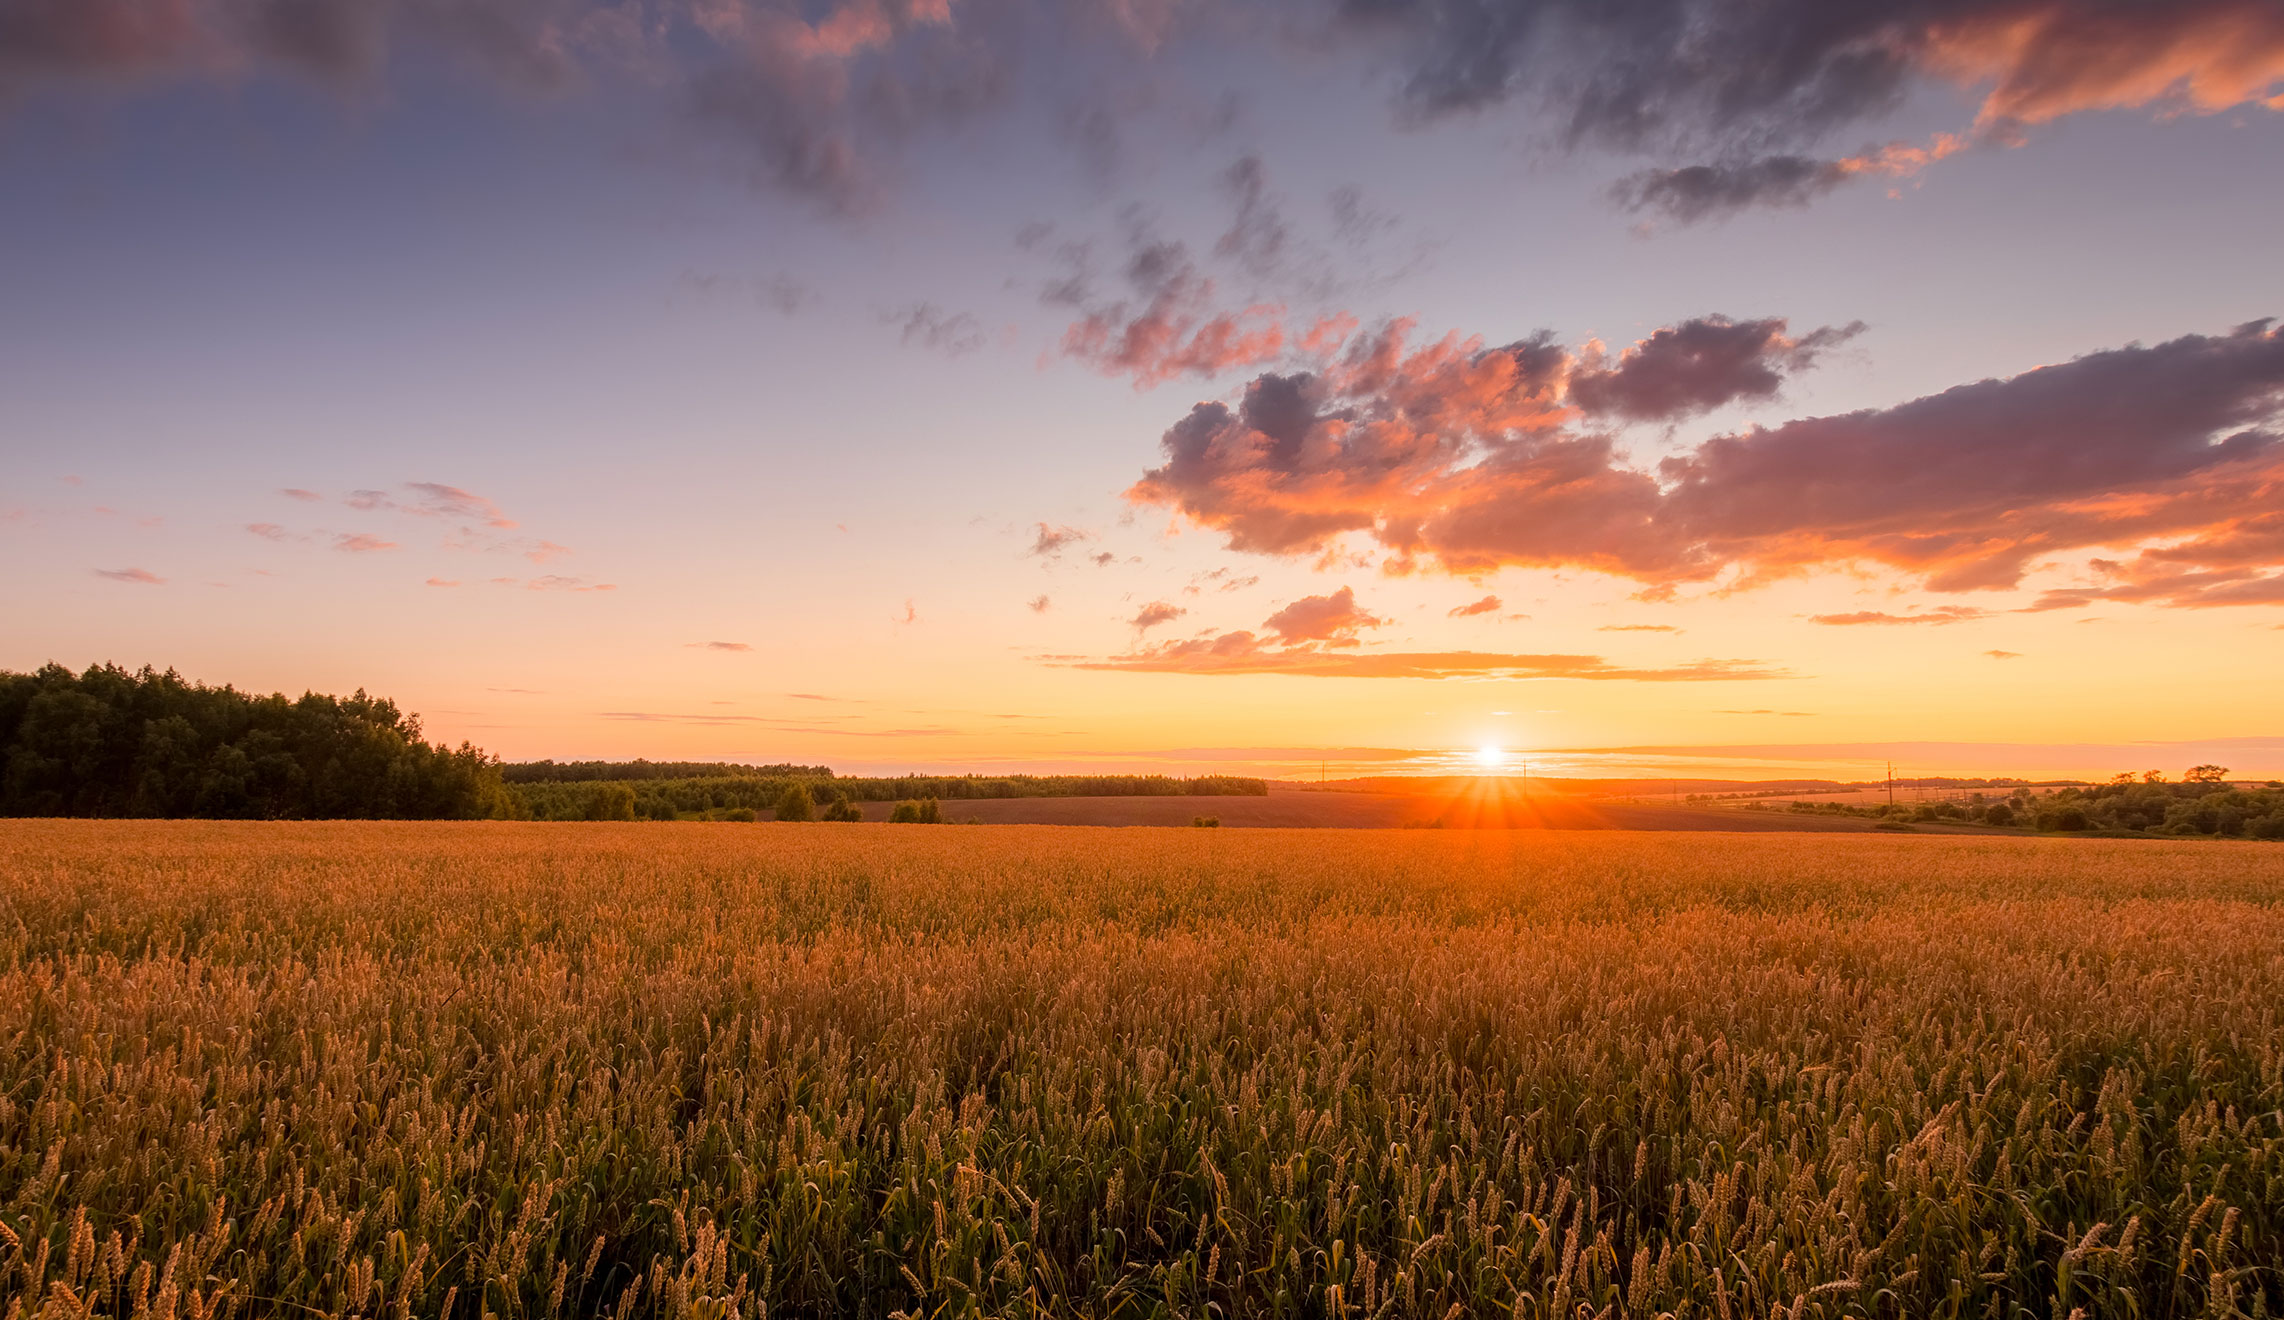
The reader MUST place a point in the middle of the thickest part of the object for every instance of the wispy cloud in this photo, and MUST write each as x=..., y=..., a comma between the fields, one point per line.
x=1242, y=653
x=1487, y=605
x=140, y=576
x=717, y=646
x=772, y=725
x=925, y=325
x=1878, y=618
x=554, y=582
x=1638, y=627
x=436, y=500
x=1155, y=613
x=778, y=293
x=1051, y=541
x=358, y=543
x=1318, y=636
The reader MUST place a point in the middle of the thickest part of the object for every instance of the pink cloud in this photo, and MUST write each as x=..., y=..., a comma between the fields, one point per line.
x=1470, y=458
x=1050, y=542
x=1333, y=620
x=140, y=576
x=1155, y=613
x=1243, y=653
x=361, y=543
x=436, y=500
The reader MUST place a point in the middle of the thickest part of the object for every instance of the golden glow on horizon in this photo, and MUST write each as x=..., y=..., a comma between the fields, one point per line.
x=1490, y=756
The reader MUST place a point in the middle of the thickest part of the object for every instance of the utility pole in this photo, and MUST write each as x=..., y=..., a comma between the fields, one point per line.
x=1891, y=783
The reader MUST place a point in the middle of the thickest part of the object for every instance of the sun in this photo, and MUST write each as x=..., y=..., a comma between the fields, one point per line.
x=1490, y=756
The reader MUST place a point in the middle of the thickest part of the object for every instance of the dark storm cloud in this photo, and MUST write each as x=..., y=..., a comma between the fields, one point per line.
x=1472, y=459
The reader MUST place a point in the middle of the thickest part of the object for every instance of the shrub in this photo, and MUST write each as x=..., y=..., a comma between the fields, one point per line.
x=923, y=812
x=795, y=804
x=1998, y=813
x=2069, y=817
x=1206, y=822
x=609, y=802
x=841, y=809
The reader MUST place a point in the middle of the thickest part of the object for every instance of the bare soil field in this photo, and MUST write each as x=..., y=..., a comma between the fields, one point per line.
x=1293, y=808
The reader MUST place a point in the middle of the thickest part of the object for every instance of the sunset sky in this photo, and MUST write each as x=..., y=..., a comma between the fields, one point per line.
x=1670, y=386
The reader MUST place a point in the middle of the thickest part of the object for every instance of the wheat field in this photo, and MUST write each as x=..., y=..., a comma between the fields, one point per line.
x=508, y=1070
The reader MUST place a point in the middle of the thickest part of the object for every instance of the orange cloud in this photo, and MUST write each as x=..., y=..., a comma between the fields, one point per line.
x=2048, y=59
x=1471, y=458
x=1333, y=620
x=1155, y=613
x=1941, y=615
x=1052, y=541
x=1242, y=653
x=1487, y=605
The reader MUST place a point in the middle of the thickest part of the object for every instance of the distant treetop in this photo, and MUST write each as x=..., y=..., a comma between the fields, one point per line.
x=578, y=772
x=111, y=742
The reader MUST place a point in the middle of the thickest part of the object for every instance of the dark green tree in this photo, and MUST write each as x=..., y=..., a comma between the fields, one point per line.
x=110, y=742
x=795, y=803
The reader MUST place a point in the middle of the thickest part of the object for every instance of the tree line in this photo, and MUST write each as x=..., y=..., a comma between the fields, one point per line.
x=730, y=797
x=580, y=772
x=2204, y=802
x=109, y=742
